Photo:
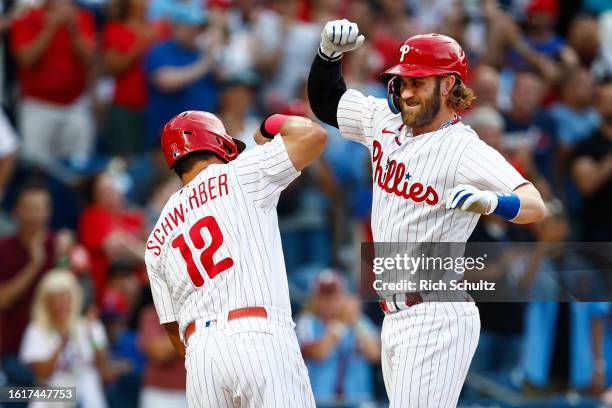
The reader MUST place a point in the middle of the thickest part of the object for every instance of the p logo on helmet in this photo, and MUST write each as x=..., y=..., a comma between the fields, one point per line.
x=404, y=49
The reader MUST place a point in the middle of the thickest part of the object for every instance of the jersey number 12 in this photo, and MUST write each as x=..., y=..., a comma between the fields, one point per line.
x=206, y=256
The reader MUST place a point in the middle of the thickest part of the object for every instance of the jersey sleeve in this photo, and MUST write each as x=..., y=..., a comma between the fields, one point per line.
x=356, y=116
x=265, y=171
x=483, y=167
x=161, y=295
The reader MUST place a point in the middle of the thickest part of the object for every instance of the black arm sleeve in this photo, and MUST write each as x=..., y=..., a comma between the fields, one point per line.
x=325, y=88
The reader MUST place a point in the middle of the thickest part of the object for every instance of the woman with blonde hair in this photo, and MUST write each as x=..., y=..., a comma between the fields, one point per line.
x=62, y=348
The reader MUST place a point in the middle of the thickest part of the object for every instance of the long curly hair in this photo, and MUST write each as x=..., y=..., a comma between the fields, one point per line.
x=461, y=96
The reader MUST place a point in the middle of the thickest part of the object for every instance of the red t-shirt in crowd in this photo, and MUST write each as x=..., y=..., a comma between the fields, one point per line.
x=13, y=321
x=95, y=225
x=130, y=85
x=59, y=76
x=169, y=375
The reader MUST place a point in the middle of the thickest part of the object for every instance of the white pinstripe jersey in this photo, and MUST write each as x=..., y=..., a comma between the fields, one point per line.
x=216, y=245
x=412, y=175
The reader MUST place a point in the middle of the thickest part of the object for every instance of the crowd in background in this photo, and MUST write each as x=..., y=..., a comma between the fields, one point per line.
x=86, y=86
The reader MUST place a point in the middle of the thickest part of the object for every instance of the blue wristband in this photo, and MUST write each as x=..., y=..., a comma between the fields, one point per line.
x=508, y=205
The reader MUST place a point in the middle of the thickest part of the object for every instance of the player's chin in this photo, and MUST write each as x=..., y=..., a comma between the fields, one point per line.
x=411, y=117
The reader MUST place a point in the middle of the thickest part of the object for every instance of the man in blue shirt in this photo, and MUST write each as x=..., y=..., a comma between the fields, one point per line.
x=338, y=342
x=180, y=71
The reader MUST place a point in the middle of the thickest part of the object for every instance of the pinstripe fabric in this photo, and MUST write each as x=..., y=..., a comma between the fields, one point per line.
x=233, y=206
x=427, y=352
x=244, y=208
x=239, y=366
x=427, y=349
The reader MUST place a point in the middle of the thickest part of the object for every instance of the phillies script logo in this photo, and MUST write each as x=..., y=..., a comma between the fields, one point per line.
x=397, y=181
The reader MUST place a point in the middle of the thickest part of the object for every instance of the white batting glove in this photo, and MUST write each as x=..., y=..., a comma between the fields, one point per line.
x=469, y=198
x=339, y=36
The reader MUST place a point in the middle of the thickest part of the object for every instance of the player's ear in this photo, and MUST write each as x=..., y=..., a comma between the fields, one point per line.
x=448, y=82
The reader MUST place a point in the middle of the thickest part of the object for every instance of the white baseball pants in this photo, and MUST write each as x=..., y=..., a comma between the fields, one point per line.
x=247, y=362
x=426, y=353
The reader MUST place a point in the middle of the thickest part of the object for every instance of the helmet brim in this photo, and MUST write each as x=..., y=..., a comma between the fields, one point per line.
x=239, y=144
x=416, y=71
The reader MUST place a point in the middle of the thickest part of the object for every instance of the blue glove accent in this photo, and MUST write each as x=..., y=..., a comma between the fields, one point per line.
x=508, y=205
x=463, y=199
x=456, y=194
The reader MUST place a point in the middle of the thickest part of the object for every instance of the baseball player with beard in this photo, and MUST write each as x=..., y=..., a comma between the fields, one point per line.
x=215, y=261
x=432, y=179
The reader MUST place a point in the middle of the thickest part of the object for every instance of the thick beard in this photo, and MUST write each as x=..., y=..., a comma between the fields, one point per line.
x=426, y=114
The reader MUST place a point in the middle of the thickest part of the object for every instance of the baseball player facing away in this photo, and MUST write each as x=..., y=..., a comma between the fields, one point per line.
x=215, y=261
x=432, y=179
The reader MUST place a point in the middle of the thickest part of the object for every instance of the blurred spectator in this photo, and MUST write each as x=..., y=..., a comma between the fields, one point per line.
x=602, y=66
x=286, y=65
x=557, y=340
x=303, y=207
x=234, y=21
x=488, y=123
x=235, y=107
x=54, y=47
x=110, y=231
x=380, y=37
x=122, y=278
x=181, y=71
x=338, y=342
x=124, y=358
x=429, y=14
x=485, y=85
x=8, y=151
x=575, y=117
x=162, y=9
x=596, y=6
x=25, y=255
x=539, y=48
x=162, y=191
x=62, y=348
x=499, y=346
x=601, y=329
x=490, y=127
x=583, y=37
x=591, y=168
x=362, y=68
x=164, y=379
x=126, y=41
x=529, y=131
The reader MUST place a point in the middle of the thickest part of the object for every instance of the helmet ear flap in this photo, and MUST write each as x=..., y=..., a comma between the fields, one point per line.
x=393, y=94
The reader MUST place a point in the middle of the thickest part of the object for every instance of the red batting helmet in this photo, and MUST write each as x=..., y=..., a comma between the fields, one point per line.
x=192, y=131
x=425, y=55
x=429, y=54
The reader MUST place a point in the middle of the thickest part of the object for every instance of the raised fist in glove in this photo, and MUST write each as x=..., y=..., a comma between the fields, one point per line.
x=339, y=36
x=469, y=198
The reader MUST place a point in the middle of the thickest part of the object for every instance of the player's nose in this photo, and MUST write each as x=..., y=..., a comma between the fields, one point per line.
x=406, y=92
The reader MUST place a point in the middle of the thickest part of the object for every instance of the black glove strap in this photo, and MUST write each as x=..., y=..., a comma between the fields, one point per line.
x=262, y=129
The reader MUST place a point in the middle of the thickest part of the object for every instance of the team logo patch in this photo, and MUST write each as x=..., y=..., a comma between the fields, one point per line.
x=404, y=49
